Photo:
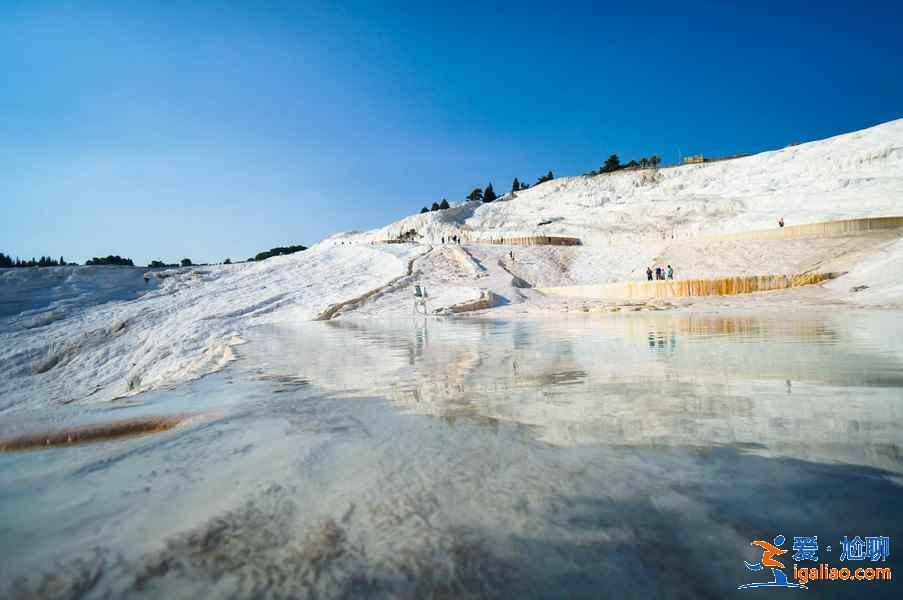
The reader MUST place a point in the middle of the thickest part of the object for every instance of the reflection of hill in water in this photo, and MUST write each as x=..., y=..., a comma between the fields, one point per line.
x=820, y=387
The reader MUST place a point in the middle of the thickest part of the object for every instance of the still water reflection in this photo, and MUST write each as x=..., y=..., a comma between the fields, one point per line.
x=630, y=456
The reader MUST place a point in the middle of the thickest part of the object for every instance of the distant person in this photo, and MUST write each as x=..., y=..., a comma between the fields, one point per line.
x=649, y=273
x=511, y=254
x=658, y=272
x=781, y=222
x=670, y=272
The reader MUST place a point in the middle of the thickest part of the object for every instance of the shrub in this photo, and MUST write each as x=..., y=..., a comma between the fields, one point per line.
x=112, y=259
x=278, y=251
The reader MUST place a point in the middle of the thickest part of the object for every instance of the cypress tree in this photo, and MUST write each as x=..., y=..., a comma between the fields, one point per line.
x=489, y=194
x=444, y=204
x=612, y=163
x=547, y=177
x=515, y=186
x=435, y=206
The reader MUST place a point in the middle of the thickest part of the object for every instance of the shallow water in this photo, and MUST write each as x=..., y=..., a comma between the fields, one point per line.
x=624, y=455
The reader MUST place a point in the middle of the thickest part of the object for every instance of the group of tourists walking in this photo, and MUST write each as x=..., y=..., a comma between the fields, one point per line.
x=659, y=273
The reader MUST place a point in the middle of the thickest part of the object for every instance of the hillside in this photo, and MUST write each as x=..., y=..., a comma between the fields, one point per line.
x=187, y=325
x=852, y=175
x=629, y=220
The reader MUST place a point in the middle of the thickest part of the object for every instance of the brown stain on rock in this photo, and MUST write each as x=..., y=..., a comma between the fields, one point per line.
x=95, y=432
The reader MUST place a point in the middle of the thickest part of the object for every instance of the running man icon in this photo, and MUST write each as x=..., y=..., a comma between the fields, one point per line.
x=768, y=552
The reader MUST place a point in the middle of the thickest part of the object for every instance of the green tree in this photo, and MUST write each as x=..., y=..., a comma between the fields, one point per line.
x=112, y=259
x=186, y=262
x=489, y=194
x=547, y=177
x=278, y=251
x=612, y=163
x=515, y=186
x=424, y=210
x=444, y=204
x=435, y=206
x=476, y=195
x=228, y=261
x=655, y=160
x=644, y=162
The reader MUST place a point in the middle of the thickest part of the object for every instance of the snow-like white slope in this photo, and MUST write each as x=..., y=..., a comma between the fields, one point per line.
x=184, y=329
x=632, y=219
x=876, y=280
x=37, y=295
x=852, y=175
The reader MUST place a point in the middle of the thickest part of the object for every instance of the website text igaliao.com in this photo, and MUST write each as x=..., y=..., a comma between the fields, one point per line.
x=825, y=572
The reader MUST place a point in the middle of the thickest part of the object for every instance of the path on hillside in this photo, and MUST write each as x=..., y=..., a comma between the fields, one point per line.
x=446, y=270
x=353, y=304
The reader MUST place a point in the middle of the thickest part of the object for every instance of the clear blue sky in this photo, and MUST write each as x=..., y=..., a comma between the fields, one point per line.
x=210, y=129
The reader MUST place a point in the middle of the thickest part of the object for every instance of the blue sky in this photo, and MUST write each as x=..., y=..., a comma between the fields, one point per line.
x=216, y=129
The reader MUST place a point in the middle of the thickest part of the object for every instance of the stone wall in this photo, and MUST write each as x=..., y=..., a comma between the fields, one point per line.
x=533, y=240
x=817, y=230
x=683, y=288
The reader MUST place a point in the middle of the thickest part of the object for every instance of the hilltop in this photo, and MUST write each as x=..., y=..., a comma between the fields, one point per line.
x=851, y=175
